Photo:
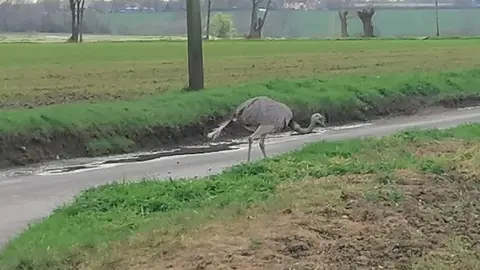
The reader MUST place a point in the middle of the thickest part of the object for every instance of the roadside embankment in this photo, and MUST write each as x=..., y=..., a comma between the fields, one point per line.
x=76, y=130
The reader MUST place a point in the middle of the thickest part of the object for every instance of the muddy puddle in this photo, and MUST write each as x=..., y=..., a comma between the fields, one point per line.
x=86, y=164
x=142, y=157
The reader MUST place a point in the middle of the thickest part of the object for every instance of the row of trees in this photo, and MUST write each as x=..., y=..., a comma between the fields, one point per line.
x=77, y=8
x=46, y=16
x=364, y=14
x=257, y=21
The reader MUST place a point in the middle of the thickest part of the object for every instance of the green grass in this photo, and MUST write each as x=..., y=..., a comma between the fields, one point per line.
x=81, y=234
x=35, y=75
x=126, y=126
x=347, y=97
x=50, y=54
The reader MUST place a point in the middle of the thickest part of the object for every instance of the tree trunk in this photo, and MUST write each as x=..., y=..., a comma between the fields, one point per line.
x=80, y=22
x=256, y=23
x=74, y=36
x=77, y=8
x=343, y=22
x=6, y=10
x=253, y=21
x=256, y=30
x=365, y=16
x=5, y=23
x=209, y=12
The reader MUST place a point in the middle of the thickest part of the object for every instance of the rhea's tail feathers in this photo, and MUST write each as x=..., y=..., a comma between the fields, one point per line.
x=216, y=132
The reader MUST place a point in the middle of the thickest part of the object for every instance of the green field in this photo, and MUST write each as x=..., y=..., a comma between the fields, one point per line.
x=408, y=200
x=43, y=74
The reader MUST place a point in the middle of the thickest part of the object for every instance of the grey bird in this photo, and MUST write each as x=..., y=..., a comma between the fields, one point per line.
x=263, y=115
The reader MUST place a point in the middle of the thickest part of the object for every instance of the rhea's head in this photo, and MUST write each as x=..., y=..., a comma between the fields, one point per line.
x=319, y=119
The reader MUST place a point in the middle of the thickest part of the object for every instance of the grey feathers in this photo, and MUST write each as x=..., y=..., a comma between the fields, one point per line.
x=263, y=115
x=263, y=111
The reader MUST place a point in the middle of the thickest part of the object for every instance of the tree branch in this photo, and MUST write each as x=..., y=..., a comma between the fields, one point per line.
x=267, y=8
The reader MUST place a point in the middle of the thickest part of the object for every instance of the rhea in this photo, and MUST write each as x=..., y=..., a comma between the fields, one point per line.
x=262, y=116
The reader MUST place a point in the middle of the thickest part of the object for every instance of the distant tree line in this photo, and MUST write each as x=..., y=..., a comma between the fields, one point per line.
x=82, y=16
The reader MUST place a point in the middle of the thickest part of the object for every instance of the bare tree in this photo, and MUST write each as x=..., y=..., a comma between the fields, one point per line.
x=7, y=7
x=345, y=5
x=343, y=22
x=81, y=8
x=209, y=12
x=74, y=36
x=77, y=8
x=256, y=22
x=365, y=15
x=4, y=11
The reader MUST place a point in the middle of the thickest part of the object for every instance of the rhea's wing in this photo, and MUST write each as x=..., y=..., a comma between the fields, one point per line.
x=244, y=105
x=265, y=111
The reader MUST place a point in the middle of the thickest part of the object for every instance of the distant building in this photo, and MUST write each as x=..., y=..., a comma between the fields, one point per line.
x=301, y=4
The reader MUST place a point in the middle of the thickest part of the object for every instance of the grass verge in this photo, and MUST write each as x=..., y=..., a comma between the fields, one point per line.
x=408, y=200
x=77, y=130
x=69, y=73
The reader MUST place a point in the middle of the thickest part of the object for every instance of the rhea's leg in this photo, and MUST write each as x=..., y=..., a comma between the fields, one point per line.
x=261, y=131
x=261, y=143
x=250, y=140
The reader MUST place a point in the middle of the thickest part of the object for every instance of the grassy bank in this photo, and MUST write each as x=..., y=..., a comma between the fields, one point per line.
x=96, y=129
x=407, y=200
x=44, y=74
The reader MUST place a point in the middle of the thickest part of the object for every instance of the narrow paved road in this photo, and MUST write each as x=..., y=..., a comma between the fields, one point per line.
x=25, y=199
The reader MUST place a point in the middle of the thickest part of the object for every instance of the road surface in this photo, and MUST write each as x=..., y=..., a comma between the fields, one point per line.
x=26, y=198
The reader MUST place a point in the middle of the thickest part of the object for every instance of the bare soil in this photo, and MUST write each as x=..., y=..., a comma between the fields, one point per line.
x=422, y=221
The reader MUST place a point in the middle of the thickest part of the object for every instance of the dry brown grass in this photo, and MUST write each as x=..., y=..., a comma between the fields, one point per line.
x=308, y=230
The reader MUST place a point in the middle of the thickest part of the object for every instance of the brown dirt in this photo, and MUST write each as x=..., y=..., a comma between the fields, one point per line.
x=21, y=150
x=421, y=222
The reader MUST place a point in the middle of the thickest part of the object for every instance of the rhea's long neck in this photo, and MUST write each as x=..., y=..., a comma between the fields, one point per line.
x=301, y=130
